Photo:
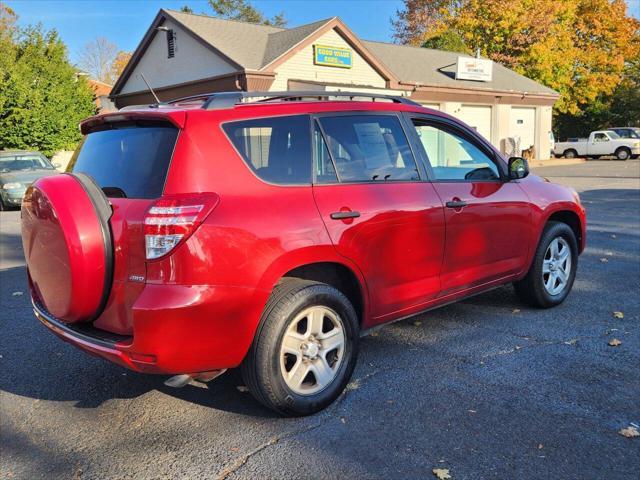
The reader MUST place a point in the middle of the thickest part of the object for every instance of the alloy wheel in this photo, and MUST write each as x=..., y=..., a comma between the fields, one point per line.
x=556, y=266
x=312, y=350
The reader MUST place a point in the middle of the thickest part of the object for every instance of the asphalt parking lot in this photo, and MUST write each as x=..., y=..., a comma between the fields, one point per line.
x=486, y=388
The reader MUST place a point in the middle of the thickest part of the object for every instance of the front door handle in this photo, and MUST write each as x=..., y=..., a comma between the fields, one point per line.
x=456, y=204
x=344, y=215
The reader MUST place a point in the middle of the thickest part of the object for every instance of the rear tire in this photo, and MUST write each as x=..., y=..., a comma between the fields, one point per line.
x=570, y=154
x=304, y=350
x=553, y=271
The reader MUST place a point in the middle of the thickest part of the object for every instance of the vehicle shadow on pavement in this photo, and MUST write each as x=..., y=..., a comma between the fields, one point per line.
x=226, y=393
x=37, y=364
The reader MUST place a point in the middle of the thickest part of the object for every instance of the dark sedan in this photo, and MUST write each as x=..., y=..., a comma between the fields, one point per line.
x=18, y=170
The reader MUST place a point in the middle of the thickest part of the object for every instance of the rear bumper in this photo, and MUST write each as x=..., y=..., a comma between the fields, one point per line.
x=100, y=347
x=176, y=329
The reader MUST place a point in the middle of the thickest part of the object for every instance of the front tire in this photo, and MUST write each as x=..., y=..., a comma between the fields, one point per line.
x=623, y=154
x=553, y=270
x=305, y=349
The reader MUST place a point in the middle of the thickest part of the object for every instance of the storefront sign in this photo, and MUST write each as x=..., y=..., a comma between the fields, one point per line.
x=474, y=69
x=332, y=56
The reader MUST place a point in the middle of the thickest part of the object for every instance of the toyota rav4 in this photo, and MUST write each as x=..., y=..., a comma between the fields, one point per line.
x=270, y=231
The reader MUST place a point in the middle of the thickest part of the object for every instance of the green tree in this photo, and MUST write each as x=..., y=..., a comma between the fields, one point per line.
x=448, y=40
x=42, y=99
x=243, y=11
x=619, y=109
x=625, y=102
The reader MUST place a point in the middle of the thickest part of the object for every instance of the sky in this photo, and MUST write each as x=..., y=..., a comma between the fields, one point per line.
x=124, y=22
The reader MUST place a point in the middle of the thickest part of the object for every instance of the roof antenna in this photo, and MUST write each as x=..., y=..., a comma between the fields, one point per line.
x=150, y=89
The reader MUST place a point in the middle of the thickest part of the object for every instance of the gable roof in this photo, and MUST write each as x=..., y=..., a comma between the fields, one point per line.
x=230, y=37
x=267, y=44
x=283, y=41
x=429, y=67
x=252, y=47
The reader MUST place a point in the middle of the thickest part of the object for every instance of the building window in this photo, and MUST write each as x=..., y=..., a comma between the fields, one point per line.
x=171, y=44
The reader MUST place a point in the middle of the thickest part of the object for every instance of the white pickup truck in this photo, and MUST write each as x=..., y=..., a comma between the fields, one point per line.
x=599, y=144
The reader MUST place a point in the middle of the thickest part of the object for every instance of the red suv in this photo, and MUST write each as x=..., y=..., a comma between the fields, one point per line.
x=270, y=233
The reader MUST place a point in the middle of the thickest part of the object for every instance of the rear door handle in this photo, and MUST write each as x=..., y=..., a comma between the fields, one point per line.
x=456, y=204
x=344, y=215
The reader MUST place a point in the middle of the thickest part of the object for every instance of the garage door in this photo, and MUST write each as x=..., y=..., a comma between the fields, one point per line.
x=478, y=117
x=522, y=123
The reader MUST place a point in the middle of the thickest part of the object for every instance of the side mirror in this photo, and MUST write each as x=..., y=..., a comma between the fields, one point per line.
x=518, y=168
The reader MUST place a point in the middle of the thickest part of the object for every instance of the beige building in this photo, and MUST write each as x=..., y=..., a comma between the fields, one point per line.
x=184, y=54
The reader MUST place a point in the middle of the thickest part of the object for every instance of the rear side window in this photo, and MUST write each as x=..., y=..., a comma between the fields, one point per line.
x=366, y=148
x=127, y=160
x=276, y=149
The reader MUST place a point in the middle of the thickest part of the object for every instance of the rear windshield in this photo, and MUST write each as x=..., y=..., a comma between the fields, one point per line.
x=23, y=161
x=128, y=160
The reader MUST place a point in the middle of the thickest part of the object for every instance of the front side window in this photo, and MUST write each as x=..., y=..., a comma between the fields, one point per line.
x=600, y=137
x=453, y=157
x=366, y=148
x=276, y=149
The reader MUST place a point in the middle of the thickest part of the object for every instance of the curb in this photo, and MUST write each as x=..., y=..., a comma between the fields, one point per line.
x=553, y=162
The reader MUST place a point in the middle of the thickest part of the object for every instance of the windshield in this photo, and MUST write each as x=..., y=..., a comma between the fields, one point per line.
x=628, y=132
x=129, y=159
x=613, y=134
x=13, y=163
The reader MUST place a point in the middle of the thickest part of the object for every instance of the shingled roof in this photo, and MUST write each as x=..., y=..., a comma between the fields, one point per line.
x=253, y=47
x=429, y=67
x=249, y=45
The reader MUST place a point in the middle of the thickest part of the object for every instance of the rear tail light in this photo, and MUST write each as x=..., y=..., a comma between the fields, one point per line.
x=172, y=219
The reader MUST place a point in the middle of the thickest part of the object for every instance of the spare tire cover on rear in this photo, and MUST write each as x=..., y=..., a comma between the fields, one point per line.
x=67, y=245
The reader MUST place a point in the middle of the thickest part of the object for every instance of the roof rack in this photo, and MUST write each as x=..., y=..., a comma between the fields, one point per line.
x=224, y=100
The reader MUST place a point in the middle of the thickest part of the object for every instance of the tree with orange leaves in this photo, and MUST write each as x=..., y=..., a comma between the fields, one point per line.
x=577, y=47
x=121, y=60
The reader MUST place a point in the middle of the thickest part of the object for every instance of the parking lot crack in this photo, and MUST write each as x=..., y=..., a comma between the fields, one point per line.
x=240, y=462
